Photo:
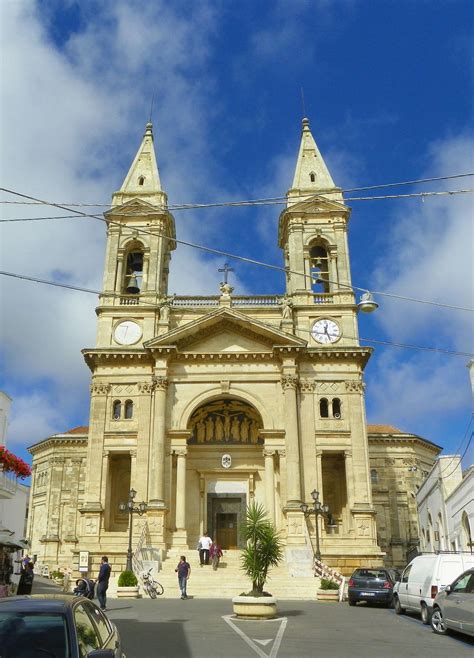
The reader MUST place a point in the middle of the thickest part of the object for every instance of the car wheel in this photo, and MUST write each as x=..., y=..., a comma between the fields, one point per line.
x=437, y=622
x=398, y=608
x=351, y=602
x=425, y=614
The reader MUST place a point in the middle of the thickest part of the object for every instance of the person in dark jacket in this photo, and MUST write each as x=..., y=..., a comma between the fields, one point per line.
x=26, y=580
x=103, y=581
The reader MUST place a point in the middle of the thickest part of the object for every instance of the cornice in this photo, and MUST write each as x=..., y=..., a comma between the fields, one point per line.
x=98, y=356
x=406, y=438
x=54, y=441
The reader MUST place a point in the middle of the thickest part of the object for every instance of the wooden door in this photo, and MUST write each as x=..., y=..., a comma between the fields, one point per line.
x=226, y=535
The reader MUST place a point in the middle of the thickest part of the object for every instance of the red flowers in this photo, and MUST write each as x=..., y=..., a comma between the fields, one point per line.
x=12, y=463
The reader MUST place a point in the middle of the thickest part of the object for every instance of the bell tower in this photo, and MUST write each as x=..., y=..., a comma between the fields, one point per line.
x=140, y=238
x=313, y=236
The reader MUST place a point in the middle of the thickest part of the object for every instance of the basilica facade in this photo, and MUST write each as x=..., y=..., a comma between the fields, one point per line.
x=204, y=404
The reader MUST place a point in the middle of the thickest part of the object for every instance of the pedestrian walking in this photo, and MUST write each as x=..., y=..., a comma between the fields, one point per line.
x=206, y=543
x=103, y=582
x=183, y=570
x=215, y=553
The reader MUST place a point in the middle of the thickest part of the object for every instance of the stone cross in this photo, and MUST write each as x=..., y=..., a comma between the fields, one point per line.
x=226, y=269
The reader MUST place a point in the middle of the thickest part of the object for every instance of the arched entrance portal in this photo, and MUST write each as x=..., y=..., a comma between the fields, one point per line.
x=225, y=452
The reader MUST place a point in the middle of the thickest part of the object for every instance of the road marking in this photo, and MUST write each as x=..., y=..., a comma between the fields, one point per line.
x=251, y=643
x=262, y=642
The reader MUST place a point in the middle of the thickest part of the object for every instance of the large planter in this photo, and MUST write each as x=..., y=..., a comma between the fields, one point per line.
x=328, y=595
x=128, y=592
x=255, y=607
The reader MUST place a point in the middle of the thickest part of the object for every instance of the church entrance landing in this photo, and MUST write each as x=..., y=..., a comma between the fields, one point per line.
x=225, y=515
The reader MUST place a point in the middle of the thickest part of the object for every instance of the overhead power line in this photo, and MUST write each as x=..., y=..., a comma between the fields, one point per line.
x=283, y=199
x=112, y=294
x=227, y=254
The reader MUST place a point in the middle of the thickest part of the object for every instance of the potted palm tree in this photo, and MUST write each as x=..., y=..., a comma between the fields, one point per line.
x=263, y=551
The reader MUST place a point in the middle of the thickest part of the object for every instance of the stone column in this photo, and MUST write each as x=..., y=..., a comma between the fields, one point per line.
x=97, y=424
x=289, y=384
x=270, y=483
x=157, y=444
x=181, y=489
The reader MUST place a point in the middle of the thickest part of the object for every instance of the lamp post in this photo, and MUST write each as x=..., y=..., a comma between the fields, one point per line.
x=318, y=509
x=130, y=507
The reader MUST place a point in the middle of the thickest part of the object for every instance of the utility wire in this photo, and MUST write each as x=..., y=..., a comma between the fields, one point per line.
x=272, y=199
x=459, y=447
x=234, y=256
x=229, y=204
x=112, y=294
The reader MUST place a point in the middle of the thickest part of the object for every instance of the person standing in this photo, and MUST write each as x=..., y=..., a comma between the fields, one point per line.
x=205, y=543
x=26, y=580
x=183, y=570
x=103, y=581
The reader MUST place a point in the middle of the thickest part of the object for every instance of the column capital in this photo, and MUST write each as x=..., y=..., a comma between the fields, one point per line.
x=282, y=453
x=145, y=388
x=160, y=382
x=180, y=452
x=354, y=386
x=268, y=452
x=289, y=382
x=100, y=389
x=307, y=385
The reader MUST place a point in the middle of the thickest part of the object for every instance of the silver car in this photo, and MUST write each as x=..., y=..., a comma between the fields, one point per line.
x=453, y=607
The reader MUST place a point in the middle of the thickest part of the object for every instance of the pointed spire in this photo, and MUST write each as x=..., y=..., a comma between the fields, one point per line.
x=311, y=173
x=143, y=178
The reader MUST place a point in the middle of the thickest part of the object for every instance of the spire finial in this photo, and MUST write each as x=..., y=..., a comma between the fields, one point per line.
x=305, y=123
x=149, y=129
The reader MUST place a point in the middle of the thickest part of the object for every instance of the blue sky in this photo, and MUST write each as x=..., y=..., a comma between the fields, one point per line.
x=388, y=91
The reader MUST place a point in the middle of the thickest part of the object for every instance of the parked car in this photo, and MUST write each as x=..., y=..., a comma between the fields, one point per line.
x=424, y=577
x=372, y=584
x=453, y=607
x=59, y=626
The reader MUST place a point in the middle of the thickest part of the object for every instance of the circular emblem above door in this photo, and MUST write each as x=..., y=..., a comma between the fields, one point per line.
x=226, y=461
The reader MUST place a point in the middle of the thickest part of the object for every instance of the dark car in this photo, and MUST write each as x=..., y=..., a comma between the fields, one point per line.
x=56, y=627
x=372, y=585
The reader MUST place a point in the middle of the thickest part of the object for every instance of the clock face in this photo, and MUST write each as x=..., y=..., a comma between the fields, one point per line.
x=127, y=333
x=325, y=331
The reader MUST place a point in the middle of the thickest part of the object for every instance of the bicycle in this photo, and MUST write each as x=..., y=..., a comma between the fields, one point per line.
x=151, y=586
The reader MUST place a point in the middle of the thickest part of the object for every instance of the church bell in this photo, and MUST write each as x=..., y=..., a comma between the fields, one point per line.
x=132, y=288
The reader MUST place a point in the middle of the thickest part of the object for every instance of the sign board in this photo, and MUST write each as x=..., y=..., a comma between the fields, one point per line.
x=84, y=561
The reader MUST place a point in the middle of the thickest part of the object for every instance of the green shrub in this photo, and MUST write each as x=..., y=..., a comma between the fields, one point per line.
x=57, y=575
x=328, y=584
x=127, y=579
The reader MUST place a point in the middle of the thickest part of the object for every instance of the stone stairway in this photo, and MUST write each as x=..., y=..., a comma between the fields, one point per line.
x=229, y=581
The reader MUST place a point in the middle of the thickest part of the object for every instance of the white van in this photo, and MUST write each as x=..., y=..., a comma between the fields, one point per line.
x=424, y=577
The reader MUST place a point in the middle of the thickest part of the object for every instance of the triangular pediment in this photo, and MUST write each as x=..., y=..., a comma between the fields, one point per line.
x=134, y=206
x=226, y=330
x=316, y=204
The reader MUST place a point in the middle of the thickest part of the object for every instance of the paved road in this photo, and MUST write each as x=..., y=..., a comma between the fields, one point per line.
x=206, y=629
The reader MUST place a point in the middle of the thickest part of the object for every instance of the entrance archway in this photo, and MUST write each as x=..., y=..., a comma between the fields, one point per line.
x=225, y=448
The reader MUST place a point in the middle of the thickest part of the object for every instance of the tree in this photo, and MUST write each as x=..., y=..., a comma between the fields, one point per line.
x=264, y=548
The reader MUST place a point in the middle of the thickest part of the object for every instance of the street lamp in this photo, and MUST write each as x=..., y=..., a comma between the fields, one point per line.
x=140, y=510
x=318, y=510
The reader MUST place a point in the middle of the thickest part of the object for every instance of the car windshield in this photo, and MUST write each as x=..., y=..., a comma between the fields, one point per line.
x=370, y=573
x=33, y=635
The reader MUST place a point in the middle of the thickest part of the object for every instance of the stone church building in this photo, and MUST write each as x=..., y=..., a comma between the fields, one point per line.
x=203, y=404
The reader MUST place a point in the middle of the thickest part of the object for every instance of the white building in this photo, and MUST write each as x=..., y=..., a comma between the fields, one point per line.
x=446, y=507
x=14, y=495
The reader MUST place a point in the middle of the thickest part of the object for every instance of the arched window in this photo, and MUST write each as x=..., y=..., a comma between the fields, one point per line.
x=323, y=408
x=133, y=272
x=117, y=410
x=141, y=180
x=319, y=269
x=336, y=408
x=128, y=409
x=374, y=476
x=312, y=177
